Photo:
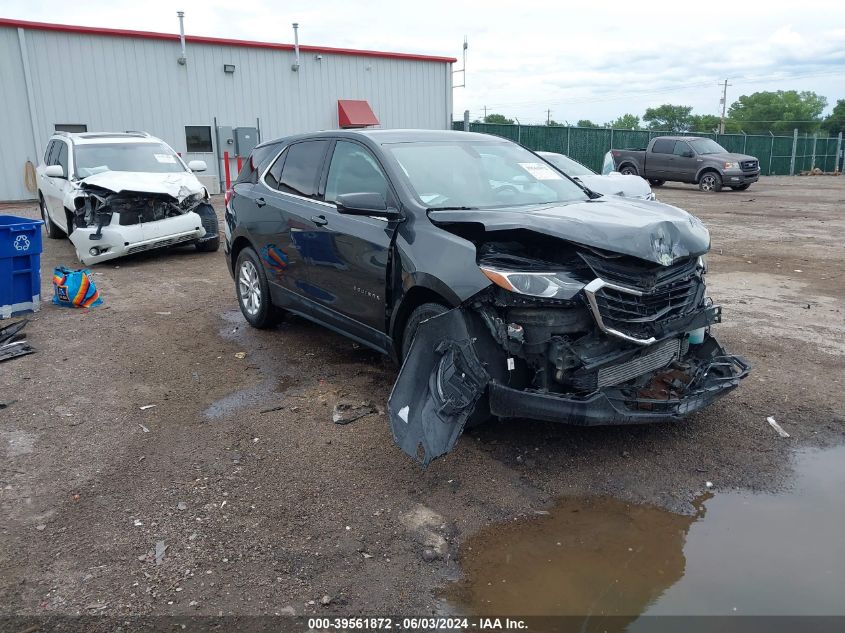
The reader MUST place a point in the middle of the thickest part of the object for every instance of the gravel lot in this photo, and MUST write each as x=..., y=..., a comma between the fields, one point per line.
x=268, y=512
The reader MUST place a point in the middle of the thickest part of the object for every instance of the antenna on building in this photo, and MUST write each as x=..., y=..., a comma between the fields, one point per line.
x=184, y=59
x=464, y=69
x=295, y=66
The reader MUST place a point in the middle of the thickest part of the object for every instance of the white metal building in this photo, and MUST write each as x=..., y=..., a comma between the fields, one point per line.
x=76, y=78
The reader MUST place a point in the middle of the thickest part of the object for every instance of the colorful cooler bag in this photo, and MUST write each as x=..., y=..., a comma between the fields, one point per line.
x=74, y=288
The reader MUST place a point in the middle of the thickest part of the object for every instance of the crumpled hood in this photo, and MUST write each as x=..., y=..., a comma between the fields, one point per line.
x=651, y=231
x=616, y=184
x=178, y=185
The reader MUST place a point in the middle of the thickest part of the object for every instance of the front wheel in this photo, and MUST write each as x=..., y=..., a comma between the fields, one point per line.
x=628, y=170
x=654, y=182
x=254, y=291
x=710, y=182
x=50, y=228
x=421, y=313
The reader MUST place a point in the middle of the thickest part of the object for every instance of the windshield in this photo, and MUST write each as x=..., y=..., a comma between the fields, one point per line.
x=706, y=146
x=147, y=157
x=567, y=165
x=480, y=175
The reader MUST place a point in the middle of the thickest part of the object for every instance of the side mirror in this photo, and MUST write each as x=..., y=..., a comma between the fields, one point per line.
x=688, y=155
x=55, y=171
x=365, y=203
x=197, y=165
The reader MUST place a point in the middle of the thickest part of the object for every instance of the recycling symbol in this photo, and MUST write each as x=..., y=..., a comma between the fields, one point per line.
x=21, y=243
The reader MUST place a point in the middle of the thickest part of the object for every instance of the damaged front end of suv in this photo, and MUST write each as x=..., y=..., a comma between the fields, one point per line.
x=112, y=221
x=617, y=332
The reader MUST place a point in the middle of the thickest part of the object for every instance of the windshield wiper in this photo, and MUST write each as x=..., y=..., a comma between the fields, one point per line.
x=452, y=209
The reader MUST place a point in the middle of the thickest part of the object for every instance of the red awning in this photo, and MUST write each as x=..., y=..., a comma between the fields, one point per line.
x=354, y=113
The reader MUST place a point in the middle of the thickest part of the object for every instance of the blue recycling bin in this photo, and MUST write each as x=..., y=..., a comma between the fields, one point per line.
x=20, y=265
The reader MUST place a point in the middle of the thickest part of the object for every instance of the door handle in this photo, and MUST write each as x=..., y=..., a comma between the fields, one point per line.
x=319, y=220
x=260, y=202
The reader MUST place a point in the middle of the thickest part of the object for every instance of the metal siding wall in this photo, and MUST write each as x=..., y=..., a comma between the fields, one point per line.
x=17, y=146
x=119, y=83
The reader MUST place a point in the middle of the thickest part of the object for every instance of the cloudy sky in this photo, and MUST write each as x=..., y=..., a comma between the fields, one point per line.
x=582, y=60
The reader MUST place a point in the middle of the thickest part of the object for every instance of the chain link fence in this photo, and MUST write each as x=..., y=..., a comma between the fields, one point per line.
x=778, y=155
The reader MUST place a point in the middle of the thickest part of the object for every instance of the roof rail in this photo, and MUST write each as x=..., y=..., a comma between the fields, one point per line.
x=61, y=133
x=138, y=132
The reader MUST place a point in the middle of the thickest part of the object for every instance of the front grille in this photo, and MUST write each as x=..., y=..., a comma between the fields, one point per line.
x=169, y=241
x=749, y=165
x=635, y=298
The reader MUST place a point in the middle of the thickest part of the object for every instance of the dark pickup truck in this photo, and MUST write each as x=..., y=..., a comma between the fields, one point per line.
x=691, y=159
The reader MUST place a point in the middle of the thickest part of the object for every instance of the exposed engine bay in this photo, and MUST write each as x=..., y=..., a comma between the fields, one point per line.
x=565, y=333
x=108, y=224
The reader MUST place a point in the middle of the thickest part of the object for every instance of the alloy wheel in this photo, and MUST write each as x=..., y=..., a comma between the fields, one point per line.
x=249, y=288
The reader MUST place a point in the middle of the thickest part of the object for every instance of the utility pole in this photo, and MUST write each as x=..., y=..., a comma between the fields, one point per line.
x=485, y=114
x=724, y=103
x=548, y=117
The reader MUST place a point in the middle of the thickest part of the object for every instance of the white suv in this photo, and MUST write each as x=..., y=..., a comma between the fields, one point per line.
x=117, y=194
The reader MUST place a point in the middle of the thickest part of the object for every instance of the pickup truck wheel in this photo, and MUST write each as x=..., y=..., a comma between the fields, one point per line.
x=656, y=183
x=629, y=170
x=253, y=291
x=741, y=187
x=710, y=181
x=52, y=231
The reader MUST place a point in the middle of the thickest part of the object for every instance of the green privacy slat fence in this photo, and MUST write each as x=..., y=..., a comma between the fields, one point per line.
x=589, y=145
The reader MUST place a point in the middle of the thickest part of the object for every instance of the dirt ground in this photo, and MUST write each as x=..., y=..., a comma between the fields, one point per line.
x=266, y=506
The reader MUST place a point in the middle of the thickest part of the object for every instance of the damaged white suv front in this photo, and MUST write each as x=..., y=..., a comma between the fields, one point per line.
x=121, y=194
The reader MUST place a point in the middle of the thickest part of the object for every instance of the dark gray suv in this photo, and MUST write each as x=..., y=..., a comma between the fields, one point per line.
x=504, y=287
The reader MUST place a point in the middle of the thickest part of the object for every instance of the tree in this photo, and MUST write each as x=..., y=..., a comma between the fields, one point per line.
x=780, y=111
x=498, y=118
x=625, y=122
x=835, y=122
x=704, y=123
x=553, y=123
x=669, y=118
x=586, y=123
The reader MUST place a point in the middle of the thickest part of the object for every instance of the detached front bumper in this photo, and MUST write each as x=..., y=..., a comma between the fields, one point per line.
x=618, y=406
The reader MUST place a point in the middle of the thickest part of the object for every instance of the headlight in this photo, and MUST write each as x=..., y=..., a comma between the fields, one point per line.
x=731, y=165
x=549, y=285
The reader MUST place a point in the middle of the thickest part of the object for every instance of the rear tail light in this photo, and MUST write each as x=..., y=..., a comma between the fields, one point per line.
x=228, y=196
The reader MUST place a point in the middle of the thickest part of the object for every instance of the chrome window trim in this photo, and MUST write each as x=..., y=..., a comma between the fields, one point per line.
x=590, y=291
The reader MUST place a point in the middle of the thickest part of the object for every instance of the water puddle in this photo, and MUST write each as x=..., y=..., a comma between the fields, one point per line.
x=741, y=553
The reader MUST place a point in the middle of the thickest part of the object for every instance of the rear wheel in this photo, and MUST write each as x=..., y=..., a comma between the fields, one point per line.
x=52, y=231
x=654, y=182
x=741, y=187
x=253, y=291
x=628, y=170
x=710, y=181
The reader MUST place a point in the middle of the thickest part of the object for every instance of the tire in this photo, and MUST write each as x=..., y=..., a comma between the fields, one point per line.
x=741, y=187
x=420, y=314
x=209, y=246
x=656, y=183
x=253, y=291
x=629, y=170
x=710, y=181
x=53, y=232
x=209, y=223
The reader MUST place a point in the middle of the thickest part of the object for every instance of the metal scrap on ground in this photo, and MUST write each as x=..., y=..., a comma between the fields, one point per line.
x=12, y=342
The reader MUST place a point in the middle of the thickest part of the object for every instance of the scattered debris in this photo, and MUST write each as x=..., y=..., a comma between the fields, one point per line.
x=181, y=506
x=163, y=313
x=143, y=428
x=147, y=406
x=161, y=548
x=777, y=427
x=326, y=600
x=138, y=523
x=346, y=412
x=240, y=355
x=12, y=342
x=41, y=527
x=271, y=409
x=709, y=484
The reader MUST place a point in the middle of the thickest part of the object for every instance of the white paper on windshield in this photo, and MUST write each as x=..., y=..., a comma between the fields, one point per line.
x=540, y=171
x=165, y=158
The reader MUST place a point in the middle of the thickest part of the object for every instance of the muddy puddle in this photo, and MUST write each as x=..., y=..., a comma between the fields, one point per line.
x=610, y=562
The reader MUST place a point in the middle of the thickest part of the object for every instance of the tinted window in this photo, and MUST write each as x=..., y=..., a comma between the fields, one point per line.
x=354, y=170
x=681, y=148
x=198, y=138
x=302, y=168
x=274, y=174
x=61, y=156
x=663, y=146
x=257, y=162
x=48, y=153
x=707, y=146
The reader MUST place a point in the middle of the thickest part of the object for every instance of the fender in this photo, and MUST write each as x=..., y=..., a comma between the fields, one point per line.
x=701, y=170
